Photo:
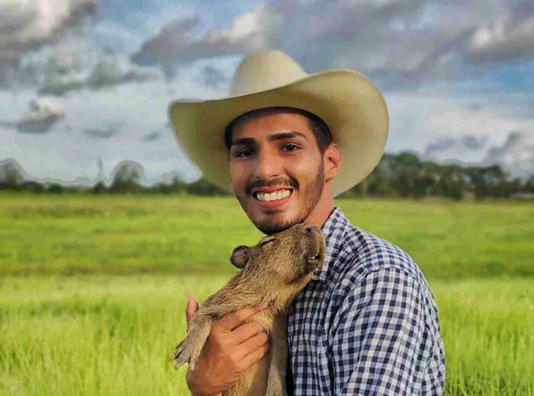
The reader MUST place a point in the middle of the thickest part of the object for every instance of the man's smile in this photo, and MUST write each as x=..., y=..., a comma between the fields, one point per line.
x=272, y=196
x=261, y=196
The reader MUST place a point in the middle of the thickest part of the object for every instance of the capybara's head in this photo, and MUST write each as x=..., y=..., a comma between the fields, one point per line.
x=286, y=258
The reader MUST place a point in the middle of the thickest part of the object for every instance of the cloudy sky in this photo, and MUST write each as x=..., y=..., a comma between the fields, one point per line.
x=88, y=81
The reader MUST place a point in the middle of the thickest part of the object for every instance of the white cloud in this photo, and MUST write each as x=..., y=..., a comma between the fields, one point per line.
x=28, y=24
x=43, y=114
x=516, y=154
x=400, y=43
x=504, y=38
x=244, y=26
x=43, y=109
x=176, y=43
x=421, y=118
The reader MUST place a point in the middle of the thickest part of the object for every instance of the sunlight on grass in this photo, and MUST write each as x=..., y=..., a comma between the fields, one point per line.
x=93, y=289
x=96, y=335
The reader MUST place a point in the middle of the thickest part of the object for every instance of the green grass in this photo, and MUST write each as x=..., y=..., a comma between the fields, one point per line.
x=69, y=234
x=96, y=334
x=487, y=329
x=119, y=234
x=93, y=335
x=92, y=289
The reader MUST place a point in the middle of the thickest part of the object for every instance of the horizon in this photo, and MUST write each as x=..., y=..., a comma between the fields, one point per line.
x=173, y=176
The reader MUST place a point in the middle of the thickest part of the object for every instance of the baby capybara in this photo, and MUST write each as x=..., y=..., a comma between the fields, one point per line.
x=272, y=273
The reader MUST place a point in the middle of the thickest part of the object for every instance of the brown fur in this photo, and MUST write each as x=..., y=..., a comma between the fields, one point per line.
x=272, y=275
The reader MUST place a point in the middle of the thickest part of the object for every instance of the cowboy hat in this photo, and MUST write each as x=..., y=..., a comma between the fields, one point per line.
x=347, y=101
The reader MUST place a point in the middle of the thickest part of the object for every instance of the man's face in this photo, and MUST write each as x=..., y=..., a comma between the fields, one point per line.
x=276, y=169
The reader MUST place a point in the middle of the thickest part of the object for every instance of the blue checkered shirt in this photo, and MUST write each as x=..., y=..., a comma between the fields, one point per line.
x=367, y=323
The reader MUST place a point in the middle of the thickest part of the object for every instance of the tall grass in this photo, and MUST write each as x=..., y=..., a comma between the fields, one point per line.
x=69, y=234
x=92, y=289
x=88, y=335
x=487, y=327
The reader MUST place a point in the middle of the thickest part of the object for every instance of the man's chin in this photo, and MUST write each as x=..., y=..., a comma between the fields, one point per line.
x=272, y=226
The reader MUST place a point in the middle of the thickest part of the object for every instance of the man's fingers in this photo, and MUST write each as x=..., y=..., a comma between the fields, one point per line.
x=245, y=331
x=249, y=346
x=191, y=310
x=233, y=320
x=255, y=355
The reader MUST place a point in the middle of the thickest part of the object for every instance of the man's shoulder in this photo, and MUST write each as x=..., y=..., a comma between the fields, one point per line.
x=356, y=256
x=363, y=252
x=365, y=259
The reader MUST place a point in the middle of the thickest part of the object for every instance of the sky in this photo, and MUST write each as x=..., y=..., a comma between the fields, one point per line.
x=84, y=82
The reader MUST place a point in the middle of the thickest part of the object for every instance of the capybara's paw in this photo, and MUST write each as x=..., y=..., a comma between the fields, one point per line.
x=181, y=354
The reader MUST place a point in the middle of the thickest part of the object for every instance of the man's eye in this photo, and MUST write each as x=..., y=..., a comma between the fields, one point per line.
x=243, y=153
x=267, y=242
x=290, y=147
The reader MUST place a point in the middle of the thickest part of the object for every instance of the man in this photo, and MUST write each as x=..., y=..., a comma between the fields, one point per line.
x=367, y=323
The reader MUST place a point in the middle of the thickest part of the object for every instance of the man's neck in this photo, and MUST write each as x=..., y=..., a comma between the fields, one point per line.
x=324, y=207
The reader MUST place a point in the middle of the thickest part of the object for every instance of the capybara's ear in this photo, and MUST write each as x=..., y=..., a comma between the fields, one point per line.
x=240, y=256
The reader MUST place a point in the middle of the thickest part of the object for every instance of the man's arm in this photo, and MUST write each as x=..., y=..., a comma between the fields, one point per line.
x=230, y=349
x=380, y=338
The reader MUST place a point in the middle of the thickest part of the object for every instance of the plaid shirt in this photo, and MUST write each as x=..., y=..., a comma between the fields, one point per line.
x=366, y=324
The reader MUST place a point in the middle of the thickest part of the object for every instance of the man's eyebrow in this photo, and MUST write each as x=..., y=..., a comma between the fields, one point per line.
x=286, y=135
x=244, y=141
x=248, y=141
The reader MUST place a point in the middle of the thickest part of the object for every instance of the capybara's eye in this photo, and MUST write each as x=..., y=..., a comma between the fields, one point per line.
x=267, y=242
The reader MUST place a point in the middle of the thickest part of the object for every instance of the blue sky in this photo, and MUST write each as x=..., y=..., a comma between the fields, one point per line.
x=83, y=80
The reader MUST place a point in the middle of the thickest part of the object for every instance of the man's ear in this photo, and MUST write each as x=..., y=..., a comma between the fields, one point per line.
x=332, y=161
x=240, y=256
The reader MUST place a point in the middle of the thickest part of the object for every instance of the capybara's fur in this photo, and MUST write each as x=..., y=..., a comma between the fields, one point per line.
x=273, y=272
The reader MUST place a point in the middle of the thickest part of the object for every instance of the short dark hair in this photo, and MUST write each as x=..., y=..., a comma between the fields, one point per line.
x=320, y=129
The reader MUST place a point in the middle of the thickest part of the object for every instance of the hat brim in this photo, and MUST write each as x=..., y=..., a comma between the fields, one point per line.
x=347, y=101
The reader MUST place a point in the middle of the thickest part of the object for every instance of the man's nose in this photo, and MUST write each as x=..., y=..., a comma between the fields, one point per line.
x=267, y=166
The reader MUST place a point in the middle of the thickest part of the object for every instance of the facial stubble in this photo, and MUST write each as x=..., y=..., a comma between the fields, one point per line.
x=269, y=225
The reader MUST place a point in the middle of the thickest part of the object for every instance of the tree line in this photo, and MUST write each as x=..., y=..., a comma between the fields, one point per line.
x=406, y=175
x=397, y=175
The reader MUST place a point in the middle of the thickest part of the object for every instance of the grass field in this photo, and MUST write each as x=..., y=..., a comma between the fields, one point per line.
x=92, y=288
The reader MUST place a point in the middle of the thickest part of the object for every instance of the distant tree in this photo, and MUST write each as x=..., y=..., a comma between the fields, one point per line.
x=177, y=185
x=126, y=177
x=428, y=179
x=380, y=181
x=99, y=188
x=452, y=182
x=11, y=174
x=487, y=181
x=510, y=187
x=477, y=181
x=55, y=188
x=31, y=186
x=204, y=187
x=406, y=170
x=495, y=178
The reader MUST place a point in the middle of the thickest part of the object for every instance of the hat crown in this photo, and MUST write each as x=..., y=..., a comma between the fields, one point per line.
x=265, y=70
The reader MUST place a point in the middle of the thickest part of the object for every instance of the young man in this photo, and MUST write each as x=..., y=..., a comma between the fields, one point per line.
x=367, y=323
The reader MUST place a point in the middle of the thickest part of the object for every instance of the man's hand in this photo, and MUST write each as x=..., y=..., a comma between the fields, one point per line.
x=230, y=349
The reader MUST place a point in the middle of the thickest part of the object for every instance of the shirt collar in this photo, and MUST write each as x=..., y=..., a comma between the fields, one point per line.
x=334, y=230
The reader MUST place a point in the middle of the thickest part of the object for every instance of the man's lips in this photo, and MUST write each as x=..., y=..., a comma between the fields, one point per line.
x=272, y=195
x=278, y=183
x=270, y=189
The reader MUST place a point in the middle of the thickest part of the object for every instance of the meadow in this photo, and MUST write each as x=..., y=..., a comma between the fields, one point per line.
x=93, y=288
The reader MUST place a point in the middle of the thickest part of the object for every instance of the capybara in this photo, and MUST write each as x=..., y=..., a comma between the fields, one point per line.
x=272, y=273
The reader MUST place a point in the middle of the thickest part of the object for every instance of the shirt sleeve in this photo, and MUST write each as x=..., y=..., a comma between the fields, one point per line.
x=379, y=339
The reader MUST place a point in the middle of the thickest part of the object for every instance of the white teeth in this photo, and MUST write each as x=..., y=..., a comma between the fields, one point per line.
x=280, y=194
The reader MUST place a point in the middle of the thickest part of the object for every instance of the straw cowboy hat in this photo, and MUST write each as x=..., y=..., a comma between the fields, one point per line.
x=347, y=101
